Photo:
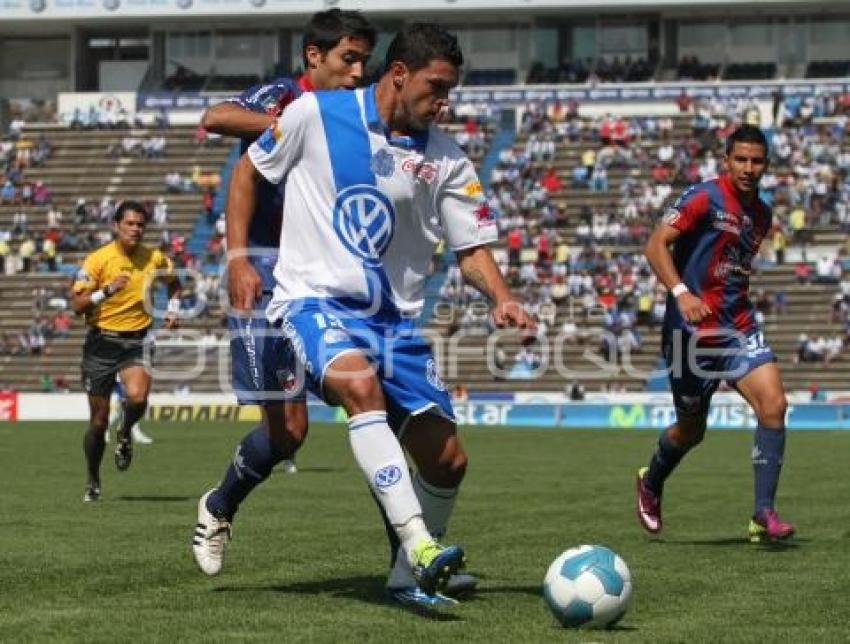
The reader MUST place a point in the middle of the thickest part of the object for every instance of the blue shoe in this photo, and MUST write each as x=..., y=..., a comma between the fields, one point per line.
x=416, y=597
x=435, y=564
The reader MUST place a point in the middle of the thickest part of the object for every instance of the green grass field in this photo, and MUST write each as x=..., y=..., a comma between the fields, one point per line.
x=308, y=558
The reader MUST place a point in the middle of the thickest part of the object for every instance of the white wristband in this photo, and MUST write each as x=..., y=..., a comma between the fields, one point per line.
x=97, y=297
x=679, y=289
x=173, y=306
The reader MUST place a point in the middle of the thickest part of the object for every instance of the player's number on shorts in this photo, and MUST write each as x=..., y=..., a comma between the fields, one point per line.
x=327, y=321
x=755, y=342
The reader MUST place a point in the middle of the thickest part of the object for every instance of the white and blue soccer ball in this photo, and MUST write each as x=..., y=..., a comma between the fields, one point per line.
x=588, y=586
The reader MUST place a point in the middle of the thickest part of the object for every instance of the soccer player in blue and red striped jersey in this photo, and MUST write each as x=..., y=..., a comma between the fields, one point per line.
x=710, y=333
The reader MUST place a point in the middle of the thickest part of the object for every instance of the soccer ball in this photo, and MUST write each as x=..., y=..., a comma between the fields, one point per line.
x=588, y=586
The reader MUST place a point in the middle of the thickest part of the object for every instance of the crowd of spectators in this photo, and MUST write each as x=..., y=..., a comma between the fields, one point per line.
x=152, y=147
x=556, y=252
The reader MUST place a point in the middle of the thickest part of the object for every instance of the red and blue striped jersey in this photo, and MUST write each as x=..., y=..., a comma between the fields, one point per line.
x=271, y=98
x=714, y=254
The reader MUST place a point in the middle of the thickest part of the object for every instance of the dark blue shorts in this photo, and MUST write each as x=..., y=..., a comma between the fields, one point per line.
x=262, y=364
x=695, y=372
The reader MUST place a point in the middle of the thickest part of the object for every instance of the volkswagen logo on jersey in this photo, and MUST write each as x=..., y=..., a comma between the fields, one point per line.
x=387, y=476
x=364, y=220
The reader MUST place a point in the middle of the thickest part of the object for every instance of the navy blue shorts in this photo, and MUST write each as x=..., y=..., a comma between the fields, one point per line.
x=263, y=367
x=695, y=372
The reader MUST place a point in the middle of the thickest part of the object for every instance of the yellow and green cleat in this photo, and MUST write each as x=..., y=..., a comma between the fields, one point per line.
x=433, y=564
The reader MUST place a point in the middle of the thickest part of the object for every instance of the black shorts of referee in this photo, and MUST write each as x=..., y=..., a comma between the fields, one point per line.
x=105, y=353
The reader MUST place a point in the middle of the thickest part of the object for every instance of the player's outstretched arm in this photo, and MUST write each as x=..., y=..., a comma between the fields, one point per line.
x=244, y=284
x=230, y=119
x=481, y=271
x=657, y=251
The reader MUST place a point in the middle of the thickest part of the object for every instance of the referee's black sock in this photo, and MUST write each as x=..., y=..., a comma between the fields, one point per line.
x=93, y=446
x=132, y=413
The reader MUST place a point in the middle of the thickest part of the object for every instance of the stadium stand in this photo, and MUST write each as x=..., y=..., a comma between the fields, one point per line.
x=575, y=197
x=580, y=269
x=85, y=183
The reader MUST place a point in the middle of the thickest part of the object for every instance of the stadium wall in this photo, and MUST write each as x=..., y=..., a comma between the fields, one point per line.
x=613, y=411
x=634, y=98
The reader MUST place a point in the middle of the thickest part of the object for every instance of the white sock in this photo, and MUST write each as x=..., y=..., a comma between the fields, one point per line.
x=437, y=505
x=380, y=457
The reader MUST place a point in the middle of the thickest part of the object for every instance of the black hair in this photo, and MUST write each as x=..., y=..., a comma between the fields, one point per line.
x=129, y=206
x=421, y=42
x=746, y=134
x=327, y=28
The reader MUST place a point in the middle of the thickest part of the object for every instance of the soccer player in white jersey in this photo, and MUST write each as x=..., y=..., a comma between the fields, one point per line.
x=372, y=187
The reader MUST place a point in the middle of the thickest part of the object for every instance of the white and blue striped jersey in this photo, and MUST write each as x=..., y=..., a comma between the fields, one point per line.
x=364, y=211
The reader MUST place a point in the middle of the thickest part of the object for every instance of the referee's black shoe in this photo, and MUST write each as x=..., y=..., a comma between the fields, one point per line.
x=123, y=453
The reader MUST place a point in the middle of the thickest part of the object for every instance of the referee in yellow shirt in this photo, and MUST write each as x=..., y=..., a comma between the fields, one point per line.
x=112, y=289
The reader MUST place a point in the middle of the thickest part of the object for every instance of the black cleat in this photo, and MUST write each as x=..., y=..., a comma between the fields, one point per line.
x=123, y=454
x=92, y=492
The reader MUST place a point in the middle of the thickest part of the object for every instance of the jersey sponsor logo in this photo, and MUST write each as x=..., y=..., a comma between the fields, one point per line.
x=733, y=261
x=729, y=228
x=387, y=476
x=269, y=139
x=432, y=374
x=728, y=222
x=473, y=189
x=382, y=163
x=425, y=171
x=364, y=220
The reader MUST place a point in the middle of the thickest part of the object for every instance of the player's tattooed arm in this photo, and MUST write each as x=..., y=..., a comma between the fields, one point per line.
x=480, y=270
x=477, y=279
